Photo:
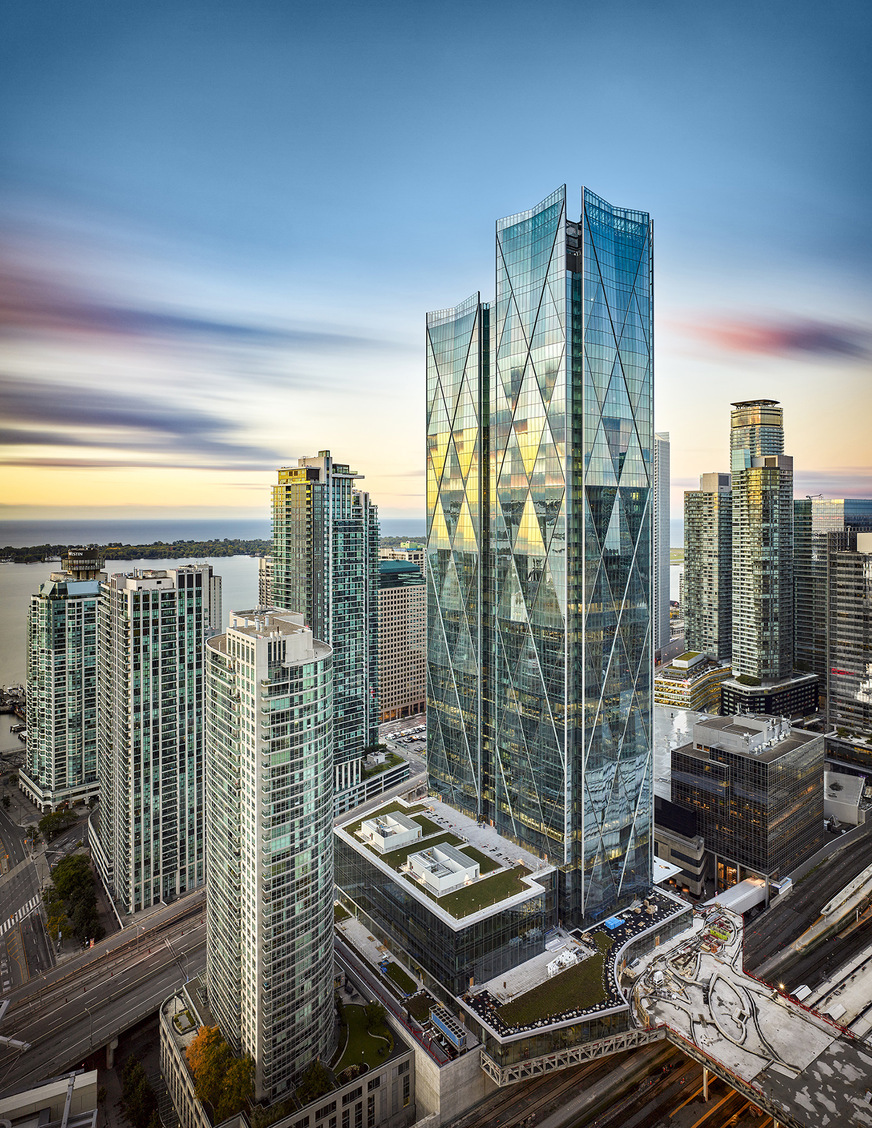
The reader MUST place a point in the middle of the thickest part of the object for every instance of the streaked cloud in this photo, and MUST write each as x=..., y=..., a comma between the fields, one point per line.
x=849, y=481
x=102, y=418
x=33, y=302
x=787, y=338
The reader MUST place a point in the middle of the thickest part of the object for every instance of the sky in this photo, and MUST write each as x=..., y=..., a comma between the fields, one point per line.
x=222, y=224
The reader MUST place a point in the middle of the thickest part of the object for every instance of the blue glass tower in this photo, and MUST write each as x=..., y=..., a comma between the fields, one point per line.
x=539, y=555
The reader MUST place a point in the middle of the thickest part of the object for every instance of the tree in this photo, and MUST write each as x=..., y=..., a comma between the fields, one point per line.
x=314, y=1082
x=238, y=1088
x=50, y=826
x=137, y=1096
x=220, y=1079
x=73, y=896
x=375, y=1016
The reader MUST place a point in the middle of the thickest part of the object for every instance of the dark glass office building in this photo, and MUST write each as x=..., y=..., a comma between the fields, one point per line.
x=756, y=786
x=814, y=519
x=539, y=552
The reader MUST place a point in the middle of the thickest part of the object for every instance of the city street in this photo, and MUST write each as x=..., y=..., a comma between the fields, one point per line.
x=24, y=949
x=85, y=1003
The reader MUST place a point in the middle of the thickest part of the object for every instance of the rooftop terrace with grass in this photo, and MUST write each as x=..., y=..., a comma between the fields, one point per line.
x=459, y=869
x=578, y=979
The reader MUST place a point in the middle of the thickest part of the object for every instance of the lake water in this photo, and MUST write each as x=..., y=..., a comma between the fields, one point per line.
x=19, y=581
x=238, y=573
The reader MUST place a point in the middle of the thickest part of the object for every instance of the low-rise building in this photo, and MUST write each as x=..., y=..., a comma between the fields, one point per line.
x=381, y=1097
x=497, y=902
x=410, y=551
x=691, y=681
x=795, y=696
x=847, y=798
x=756, y=785
x=69, y=1101
x=677, y=840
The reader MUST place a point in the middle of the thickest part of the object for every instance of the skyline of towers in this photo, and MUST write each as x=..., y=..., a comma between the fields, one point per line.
x=147, y=835
x=539, y=515
x=662, y=537
x=60, y=763
x=269, y=843
x=325, y=566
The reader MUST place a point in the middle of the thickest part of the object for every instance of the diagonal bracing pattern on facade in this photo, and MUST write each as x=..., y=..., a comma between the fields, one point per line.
x=548, y=556
x=456, y=341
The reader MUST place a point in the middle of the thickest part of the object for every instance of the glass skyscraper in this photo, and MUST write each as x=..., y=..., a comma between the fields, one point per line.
x=269, y=843
x=325, y=565
x=539, y=553
x=762, y=486
x=662, y=536
x=707, y=591
x=60, y=764
x=152, y=631
x=814, y=518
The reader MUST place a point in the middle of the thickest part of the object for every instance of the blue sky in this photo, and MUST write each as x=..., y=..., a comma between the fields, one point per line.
x=223, y=224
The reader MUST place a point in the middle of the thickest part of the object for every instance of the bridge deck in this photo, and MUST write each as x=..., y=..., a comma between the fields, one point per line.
x=804, y=1068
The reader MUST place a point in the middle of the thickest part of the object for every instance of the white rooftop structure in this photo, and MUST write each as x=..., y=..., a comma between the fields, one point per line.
x=443, y=868
x=390, y=831
x=663, y=871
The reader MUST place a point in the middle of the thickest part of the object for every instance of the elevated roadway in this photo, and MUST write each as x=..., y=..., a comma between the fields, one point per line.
x=87, y=1002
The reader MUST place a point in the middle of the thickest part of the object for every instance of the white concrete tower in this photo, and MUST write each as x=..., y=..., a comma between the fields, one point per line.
x=269, y=843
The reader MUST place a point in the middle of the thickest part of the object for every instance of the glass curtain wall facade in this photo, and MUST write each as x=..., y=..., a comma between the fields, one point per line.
x=269, y=840
x=761, y=812
x=325, y=565
x=552, y=742
x=153, y=626
x=661, y=539
x=849, y=636
x=458, y=667
x=707, y=590
x=814, y=519
x=762, y=486
x=60, y=763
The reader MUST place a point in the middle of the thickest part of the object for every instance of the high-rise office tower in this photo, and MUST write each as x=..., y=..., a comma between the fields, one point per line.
x=325, y=565
x=661, y=539
x=153, y=626
x=814, y=519
x=401, y=631
x=762, y=486
x=60, y=763
x=539, y=553
x=849, y=633
x=707, y=589
x=269, y=843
